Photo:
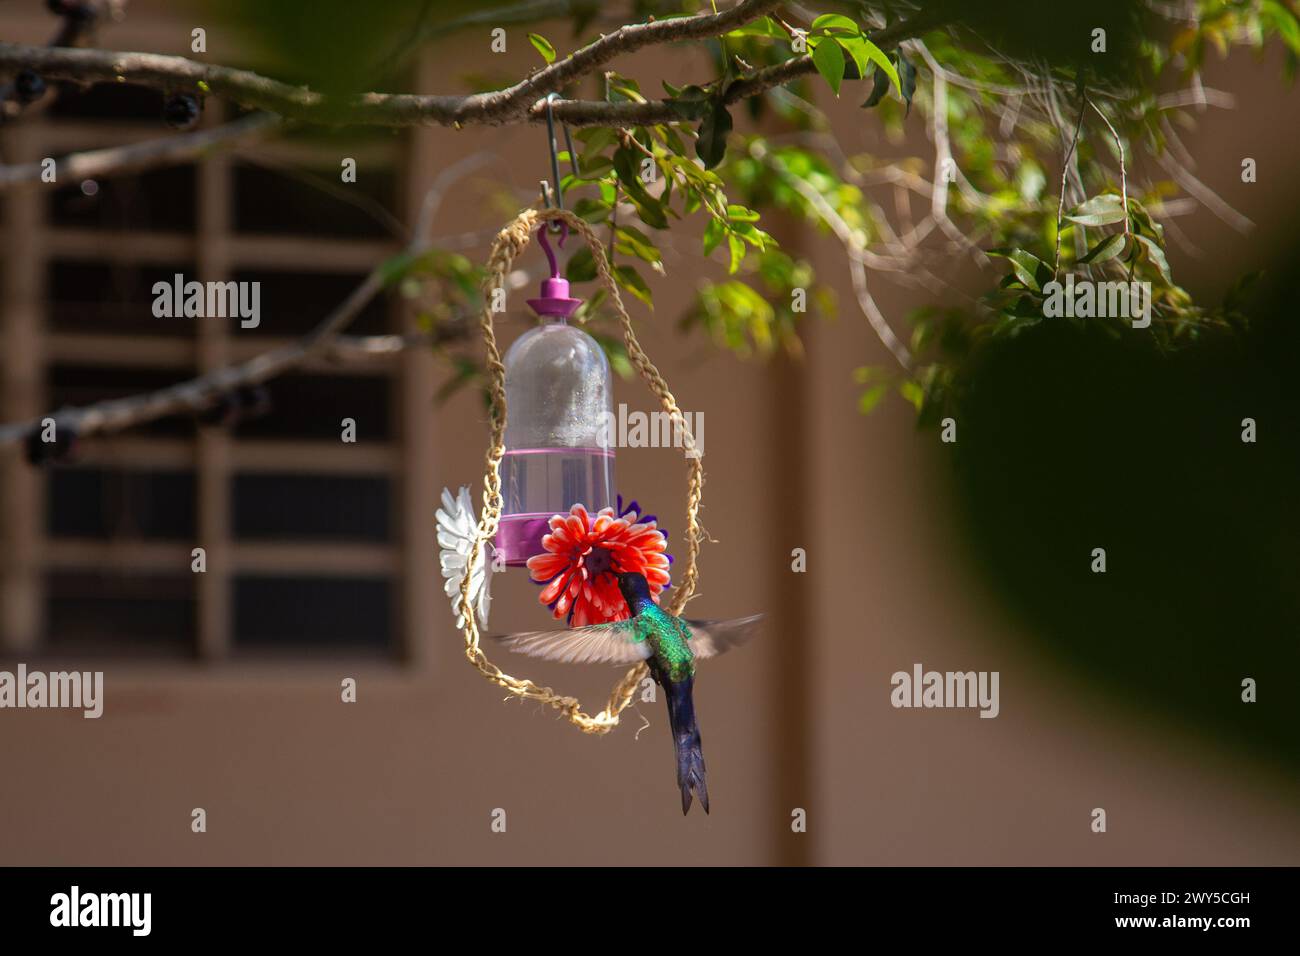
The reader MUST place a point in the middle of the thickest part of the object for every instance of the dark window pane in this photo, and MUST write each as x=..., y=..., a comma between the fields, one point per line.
x=160, y=200
x=114, y=613
x=110, y=101
x=293, y=303
x=270, y=202
x=310, y=506
x=302, y=612
x=102, y=503
x=313, y=406
x=113, y=299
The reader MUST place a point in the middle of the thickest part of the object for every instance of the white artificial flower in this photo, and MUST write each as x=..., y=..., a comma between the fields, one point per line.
x=457, y=528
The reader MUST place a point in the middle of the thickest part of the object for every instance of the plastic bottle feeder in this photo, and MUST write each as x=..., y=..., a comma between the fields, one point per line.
x=559, y=399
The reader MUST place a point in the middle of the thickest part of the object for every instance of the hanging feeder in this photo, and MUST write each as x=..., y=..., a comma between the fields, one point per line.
x=549, y=447
x=557, y=442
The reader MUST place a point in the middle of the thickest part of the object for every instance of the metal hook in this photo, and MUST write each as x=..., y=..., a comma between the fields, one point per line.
x=554, y=195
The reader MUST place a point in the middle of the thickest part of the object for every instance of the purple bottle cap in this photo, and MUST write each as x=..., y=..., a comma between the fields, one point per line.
x=555, y=301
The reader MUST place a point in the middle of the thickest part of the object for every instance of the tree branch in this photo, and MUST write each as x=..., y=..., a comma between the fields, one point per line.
x=199, y=393
x=183, y=147
x=522, y=102
x=512, y=104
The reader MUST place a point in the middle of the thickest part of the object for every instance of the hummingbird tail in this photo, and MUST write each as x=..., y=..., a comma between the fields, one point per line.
x=686, y=741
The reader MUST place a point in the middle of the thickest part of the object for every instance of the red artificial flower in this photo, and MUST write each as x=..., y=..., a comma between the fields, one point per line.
x=582, y=555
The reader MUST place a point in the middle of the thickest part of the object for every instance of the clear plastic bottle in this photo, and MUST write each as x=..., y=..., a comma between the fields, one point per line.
x=559, y=403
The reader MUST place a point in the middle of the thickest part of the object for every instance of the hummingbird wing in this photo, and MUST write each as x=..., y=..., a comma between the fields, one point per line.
x=613, y=643
x=711, y=638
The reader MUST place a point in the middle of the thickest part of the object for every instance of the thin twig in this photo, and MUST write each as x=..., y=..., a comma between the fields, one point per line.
x=853, y=245
x=1123, y=174
x=1065, y=170
x=1206, y=196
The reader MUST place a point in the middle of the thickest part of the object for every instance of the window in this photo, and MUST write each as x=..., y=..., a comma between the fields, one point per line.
x=302, y=551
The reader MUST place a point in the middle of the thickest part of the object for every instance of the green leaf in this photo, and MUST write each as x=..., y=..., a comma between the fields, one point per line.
x=631, y=280
x=860, y=62
x=713, y=234
x=596, y=137
x=1108, y=248
x=831, y=24
x=828, y=57
x=879, y=87
x=623, y=89
x=542, y=46
x=866, y=374
x=762, y=27
x=1029, y=269
x=1099, y=211
x=626, y=164
x=869, y=399
x=1143, y=224
x=690, y=102
x=711, y=146
x=397, y=268
x=882, y=61
x=736, y=246
x=1157, y=257
x=651, y=211
x=1283, y=21
x=592, y=210
x=863, y=52
x=594, y=167
x=581, y=266
x=632, y=241
x=672, y=140
x=906, y=79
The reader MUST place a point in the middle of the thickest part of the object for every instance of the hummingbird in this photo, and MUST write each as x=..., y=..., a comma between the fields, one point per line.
x=669, y=645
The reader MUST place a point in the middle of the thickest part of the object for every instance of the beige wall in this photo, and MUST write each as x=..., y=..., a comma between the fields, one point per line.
x=800, y=717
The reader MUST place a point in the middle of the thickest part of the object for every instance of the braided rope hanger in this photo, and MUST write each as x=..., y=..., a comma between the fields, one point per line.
x=509, y=243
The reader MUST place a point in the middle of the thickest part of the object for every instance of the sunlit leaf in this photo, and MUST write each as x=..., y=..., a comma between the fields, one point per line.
x=542, y=46
x=1098, y=211
x=1108, y=248
x=829, y=60
x=630, y=280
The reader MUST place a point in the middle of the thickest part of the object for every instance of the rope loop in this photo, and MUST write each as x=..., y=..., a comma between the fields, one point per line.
x=509, y=243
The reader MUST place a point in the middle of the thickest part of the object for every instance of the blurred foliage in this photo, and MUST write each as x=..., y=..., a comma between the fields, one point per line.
x=335, y=46
x=1069, y=439
x=1018, y=102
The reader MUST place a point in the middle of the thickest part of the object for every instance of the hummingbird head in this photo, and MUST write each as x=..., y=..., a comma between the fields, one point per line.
x=635, y=589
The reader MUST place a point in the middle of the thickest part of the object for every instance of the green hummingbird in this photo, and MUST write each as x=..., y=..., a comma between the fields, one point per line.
x=669, y=645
